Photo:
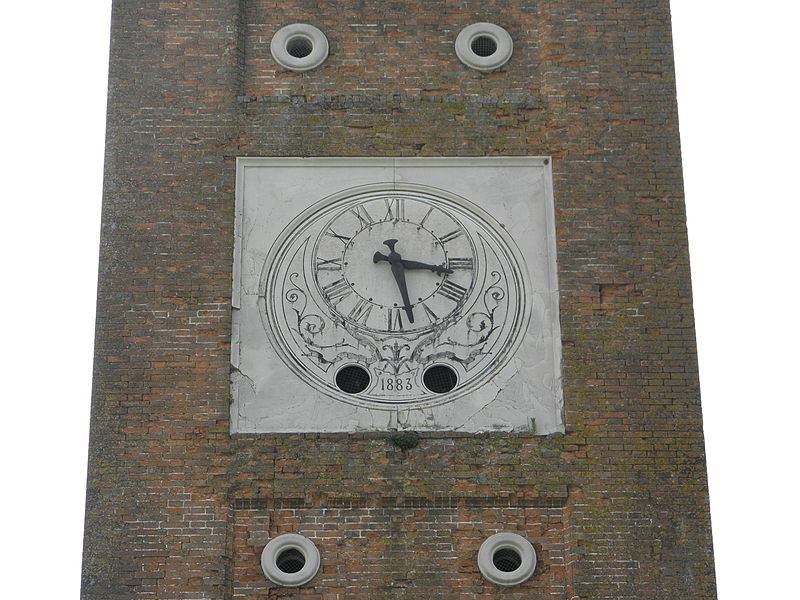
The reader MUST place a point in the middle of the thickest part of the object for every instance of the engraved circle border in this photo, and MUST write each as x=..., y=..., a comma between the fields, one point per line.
x=292, y=231
x=357, y=199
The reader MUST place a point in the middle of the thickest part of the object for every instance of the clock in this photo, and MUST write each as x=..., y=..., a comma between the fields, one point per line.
x=397, y=296
x=364, y=278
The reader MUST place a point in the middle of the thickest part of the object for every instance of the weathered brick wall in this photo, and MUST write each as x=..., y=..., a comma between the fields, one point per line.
x=177, y=508
x=411, y=549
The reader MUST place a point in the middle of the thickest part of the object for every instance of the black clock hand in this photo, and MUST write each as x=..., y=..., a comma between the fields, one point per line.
x=396, y=262
x=400, y=277
x=413, y=264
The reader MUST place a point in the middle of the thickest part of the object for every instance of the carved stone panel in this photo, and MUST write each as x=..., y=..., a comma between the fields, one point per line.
x=379, y=294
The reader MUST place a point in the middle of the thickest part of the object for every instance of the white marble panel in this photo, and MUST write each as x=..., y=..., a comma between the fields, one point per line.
x=269, y=387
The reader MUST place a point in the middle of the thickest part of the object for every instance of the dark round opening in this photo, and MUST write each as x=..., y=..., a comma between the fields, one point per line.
x=352, y=379
x=440, y=379
x=290, y=560
x=299, y=47
x=507, y=560
x=483, y=45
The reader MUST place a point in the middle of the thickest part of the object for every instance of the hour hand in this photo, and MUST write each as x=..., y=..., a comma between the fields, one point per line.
x=413, y=264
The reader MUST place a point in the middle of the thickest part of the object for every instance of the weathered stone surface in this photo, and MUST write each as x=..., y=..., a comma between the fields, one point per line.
x=513, y=382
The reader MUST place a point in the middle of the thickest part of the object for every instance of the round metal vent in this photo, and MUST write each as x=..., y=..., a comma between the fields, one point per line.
x=507, y=559
x=440, y=379
x=484, y=47
x=352, y=379
x=299, y=47
x=290, y=560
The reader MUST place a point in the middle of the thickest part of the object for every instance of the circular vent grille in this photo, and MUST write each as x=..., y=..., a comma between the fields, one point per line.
x=507, y=559
x=290, y=560
x=440, y=379
x=352, y=379
x=299, y=47
x=484, y=47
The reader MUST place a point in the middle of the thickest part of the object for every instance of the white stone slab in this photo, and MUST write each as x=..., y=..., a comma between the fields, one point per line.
x=270, y=390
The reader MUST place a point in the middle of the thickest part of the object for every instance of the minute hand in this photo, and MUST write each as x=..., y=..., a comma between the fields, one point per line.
x=413, y=264
x=400, y=279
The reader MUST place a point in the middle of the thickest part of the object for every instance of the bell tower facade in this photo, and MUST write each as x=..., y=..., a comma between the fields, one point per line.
x=394, y=303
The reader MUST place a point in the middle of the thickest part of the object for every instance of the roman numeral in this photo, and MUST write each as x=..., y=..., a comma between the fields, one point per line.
x=395, y=319
x=329, y=264
x=450, y=236
x=425, y=218
x=364, y=218
x=460, y=263
x=337, y=291
x=432, y=316
x=452, y=291
x=360, y=312
x=342, y=238
x=395, y=209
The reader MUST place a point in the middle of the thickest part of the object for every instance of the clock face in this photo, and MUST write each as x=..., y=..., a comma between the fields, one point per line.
x=394, y=264
x=394, y=297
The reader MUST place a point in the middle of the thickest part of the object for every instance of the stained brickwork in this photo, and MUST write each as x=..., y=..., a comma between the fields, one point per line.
x=419, y=548
x=178, y=508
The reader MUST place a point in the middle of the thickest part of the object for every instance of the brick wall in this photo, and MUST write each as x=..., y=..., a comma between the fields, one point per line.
x=177, y=508
x=413, y=548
